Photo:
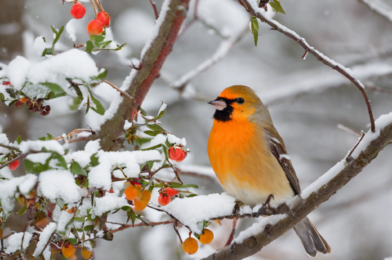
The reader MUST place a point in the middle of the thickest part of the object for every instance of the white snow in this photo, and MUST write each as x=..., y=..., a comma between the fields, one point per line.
x=55, y=184
x=40, y=45
x=107, y=203
x=100, y=175
x=36, y=146
x=44, y=238
x=9, y=187
x=259, y=227
x=63, y=220
x=381, y=122
x=70, y=29
x=15, y=242
x=17, y=71
x=172, y=139
x=4, y=140
x=158, y=23
x=38, y=157
x=84, y=157
x=189, y=211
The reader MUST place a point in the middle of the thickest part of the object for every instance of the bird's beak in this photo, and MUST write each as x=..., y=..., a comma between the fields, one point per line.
x=218, y=104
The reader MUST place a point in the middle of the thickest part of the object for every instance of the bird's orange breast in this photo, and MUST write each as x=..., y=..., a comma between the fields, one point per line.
x=244, y=165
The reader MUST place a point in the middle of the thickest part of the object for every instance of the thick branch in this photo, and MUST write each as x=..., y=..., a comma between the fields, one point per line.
x=301, y=209
x=167, y=27
x=254, y=11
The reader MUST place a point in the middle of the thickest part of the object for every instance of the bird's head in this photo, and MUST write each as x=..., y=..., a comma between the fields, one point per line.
x=237, y=103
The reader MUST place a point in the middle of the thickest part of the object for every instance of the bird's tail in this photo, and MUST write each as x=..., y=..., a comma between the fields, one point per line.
x=311, y=239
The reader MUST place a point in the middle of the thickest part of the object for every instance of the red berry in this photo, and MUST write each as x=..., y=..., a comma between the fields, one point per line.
x=18, y=103
x=170, y=191
x=14, y=165
x=177, y=154
x=29, y=103
x=163, y=199
x=78, y=11
x=94, y=27
x=111, y=191
x=7, y=83
x=104, y=18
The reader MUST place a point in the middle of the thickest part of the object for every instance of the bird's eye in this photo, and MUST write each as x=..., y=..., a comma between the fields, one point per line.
x=240, y=100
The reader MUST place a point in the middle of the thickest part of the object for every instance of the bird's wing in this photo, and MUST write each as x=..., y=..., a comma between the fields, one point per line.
x=278, y=150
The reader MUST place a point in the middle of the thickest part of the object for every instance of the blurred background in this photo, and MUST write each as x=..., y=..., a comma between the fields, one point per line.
x=307, y=101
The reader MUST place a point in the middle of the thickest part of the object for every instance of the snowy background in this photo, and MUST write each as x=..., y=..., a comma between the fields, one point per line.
x=307, y=101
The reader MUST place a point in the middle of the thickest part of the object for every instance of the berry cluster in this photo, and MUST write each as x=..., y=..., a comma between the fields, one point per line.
x=190, y=245
x=34, y=105
x=134, y=193
x=96, y=26
x=165, y=194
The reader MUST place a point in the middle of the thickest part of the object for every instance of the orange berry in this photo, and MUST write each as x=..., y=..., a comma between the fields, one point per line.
x=133, y=192
x=170, y=191
x=207, y=237
x=177, y=154
x=71, y=210
x=142, y=203
x=94, y=27
x=78, y=11
x=190, y=246
x=104, y=18
x=163, y=199
x=86, y=254
x=14, y=165
x=68, y=251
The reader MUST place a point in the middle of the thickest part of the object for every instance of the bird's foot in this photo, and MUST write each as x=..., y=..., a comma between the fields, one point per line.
x=266, y=209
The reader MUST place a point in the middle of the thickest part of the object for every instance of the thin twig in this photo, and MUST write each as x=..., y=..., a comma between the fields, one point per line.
x=154, y=6
x=125, y=94
x=175, y=229
x=149, y=224
x=10, y=147
x=320, y=57
x=348, y=157
x=348, y=130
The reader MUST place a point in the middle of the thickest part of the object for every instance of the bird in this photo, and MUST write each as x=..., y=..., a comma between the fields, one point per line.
x=249, y=158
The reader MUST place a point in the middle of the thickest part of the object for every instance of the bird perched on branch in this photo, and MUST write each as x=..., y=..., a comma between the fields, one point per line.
x=250, y=159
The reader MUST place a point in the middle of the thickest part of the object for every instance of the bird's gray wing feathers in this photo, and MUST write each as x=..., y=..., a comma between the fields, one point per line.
x=279, y=151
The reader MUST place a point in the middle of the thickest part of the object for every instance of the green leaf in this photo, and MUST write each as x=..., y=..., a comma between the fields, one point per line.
x=191, y=195
x=155, y=127
x=88, y=104
x=19, y=139
x=60, y=160
x=89, y=46
x=77, y=169
x=33, y=167
x=80, y=219
x=55, y=90
x=119, y=47
x=22, y=210
x=12, y=102
x=88, y=228
x=151, y=133
x=255, y=29
x=2, y=98
x=105, y=44
x=101, y=76
x=98, y=106
x=126, y=208
x=150, y=164
x=143, y=111
x=277, y=6
x=97, y=40
x=133, y=216
x=73, y=241
x=94, y=160
x=179, y=185
x=57, y=36
x=46, y=138
x=152, y=147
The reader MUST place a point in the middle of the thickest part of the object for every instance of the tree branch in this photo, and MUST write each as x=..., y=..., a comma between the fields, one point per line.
x=379, y=7
x=252, y=8
x=314, y=195
x=153, y=56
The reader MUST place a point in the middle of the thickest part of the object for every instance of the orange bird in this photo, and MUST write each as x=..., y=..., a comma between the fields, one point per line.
x=250, y=159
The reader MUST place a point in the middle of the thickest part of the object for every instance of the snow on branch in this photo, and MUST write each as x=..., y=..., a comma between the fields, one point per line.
x=250, y=242
x=252, y=7
x=380, y=7
x=137, y=85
